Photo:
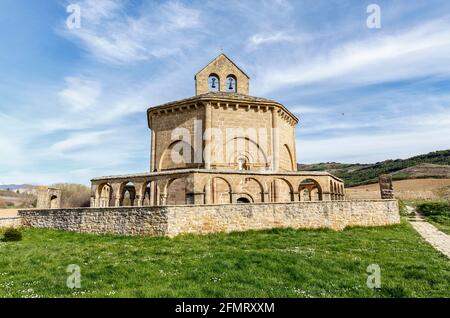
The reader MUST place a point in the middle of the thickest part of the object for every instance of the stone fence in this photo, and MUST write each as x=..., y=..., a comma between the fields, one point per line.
x=10, y=222
x=202, y=219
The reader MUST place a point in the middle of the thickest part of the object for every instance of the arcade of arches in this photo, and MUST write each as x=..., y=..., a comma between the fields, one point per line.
x=199, y=187
x=220, y=146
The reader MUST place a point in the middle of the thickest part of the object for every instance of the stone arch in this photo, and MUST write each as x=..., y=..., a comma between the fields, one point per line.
x=244, y=198
x=127, y=191
x=175, y=192
x=231, y=83
x=287, y=160
x=54, y=202
x=252, y=187
x=104, y=195
x=238, y=147
x=310, y=190
x=173, y=159
x=220, y=190
x=213, y=82
x=148, y=193
x=281, y=190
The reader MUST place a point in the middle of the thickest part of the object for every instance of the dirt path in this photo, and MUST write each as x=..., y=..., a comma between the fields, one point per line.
x=431, y=234
x=8, y=213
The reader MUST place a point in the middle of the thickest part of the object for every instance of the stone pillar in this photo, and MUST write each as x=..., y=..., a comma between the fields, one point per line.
x=163, y=199
x=208, y=135
x=208, y=192
x=153, y=150
x=326, y=196
x=275, y=140
x=266, y=197
x=386, y=188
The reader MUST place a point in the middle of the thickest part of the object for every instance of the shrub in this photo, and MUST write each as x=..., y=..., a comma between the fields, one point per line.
x=402, y=208
x=434, y=208
x=11, y=235
x=74, y=195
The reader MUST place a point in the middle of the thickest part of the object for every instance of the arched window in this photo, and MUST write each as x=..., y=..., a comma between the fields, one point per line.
x=231, y=84
x=213, y=83
x=242, y=163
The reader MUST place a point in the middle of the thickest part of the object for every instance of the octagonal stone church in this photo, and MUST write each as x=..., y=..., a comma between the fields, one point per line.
x=220, y=146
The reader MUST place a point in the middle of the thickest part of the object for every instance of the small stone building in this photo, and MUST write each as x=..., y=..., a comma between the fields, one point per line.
x=220, y=146
x=48, y=198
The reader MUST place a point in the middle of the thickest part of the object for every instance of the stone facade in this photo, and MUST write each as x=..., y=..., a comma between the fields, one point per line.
x=219, y=146
x=175, y=220
x=222, y=68
x=210, y=154
x=48, y=198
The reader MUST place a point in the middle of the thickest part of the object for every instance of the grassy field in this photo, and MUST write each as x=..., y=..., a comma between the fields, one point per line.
x=275, y=263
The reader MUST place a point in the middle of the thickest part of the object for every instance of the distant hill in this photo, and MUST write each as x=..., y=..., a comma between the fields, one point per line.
x=432, y=165
x=13, y=187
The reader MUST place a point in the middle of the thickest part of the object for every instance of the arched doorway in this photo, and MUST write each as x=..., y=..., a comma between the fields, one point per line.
x=243, y=200
x=310, y=190
x=281, y=190
x=176, y=192
x=128, y=194
x=53, y=202
x=105, y=196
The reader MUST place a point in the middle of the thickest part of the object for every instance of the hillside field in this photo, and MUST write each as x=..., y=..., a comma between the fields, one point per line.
x=414, y=189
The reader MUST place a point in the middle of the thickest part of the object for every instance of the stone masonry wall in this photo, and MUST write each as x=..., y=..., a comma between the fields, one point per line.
x=10, y=222
x=174, y=220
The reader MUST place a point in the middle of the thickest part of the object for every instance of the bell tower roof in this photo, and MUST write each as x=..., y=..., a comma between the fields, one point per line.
x=221, y=75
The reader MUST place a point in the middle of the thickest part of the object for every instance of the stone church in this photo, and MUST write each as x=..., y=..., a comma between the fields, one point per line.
x=220, y=146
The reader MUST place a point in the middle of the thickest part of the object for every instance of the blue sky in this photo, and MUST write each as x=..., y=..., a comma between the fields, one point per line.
x=73, y=101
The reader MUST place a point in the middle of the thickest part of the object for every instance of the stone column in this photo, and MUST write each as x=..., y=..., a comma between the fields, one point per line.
x=275, y=140
x=208, y=192
x=208, y=135
x=153, y=149
x=266, y=197
x=326, y=196
x=163, y=199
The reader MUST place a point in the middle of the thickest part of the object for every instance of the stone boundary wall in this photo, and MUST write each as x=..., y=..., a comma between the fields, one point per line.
x=10, y=222
x=203, y=219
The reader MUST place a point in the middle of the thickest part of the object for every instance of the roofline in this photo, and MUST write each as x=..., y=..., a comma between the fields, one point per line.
x=195, y=76
x=216, y=171
x=202, y=98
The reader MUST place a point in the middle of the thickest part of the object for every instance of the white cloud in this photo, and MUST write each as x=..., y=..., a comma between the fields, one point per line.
x=80, y=93
x=78, y=141
x=420, y=51
x=112, y=36
x=266, y=38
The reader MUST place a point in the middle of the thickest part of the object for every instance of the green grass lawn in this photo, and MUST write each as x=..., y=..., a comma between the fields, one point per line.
x=275, y=263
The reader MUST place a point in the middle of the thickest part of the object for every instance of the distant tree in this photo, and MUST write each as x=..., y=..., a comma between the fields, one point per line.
x=73, y=195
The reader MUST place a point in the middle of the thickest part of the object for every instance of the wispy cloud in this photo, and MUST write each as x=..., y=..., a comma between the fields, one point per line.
x=111, y=35
x=80, y=93
x=421, y=51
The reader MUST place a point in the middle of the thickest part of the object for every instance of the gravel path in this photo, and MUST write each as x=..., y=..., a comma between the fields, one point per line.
x=431, y=234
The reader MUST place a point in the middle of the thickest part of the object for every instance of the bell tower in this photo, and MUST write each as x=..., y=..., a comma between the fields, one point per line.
x=221, y=75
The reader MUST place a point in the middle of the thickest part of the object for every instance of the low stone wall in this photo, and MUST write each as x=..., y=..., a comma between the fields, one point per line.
x=11, y=222
x=202, y=219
